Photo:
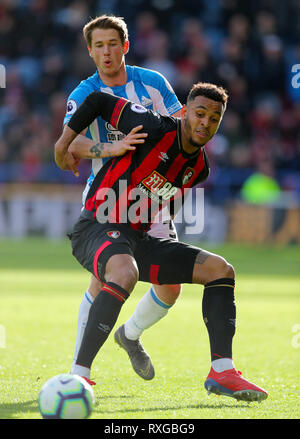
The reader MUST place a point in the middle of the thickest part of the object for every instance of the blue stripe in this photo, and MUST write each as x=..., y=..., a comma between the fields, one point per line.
x=88, y=299
x=156, y=299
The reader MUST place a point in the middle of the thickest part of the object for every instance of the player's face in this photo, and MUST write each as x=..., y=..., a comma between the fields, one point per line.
x=107, y=51
x=201, y=119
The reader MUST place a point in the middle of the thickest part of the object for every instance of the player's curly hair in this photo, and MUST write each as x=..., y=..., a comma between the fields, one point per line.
x=106, y=22
x=208, y=90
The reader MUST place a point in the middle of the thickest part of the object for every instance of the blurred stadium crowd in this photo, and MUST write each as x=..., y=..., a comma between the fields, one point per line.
x=248, y=47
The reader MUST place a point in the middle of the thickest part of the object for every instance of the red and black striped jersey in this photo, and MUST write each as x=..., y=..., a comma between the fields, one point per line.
x=134, y=187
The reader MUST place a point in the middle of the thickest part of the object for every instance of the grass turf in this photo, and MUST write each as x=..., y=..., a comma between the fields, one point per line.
x=42, y=286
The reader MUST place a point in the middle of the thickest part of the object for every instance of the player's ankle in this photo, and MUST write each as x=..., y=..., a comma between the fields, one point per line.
x=81, y=371
x=222, y=364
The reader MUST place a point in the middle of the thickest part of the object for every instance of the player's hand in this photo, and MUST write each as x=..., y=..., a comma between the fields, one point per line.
x=64, y=159
x=133, y=138
x=67, y=162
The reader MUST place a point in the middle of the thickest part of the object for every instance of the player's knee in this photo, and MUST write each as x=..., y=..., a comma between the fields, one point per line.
x=230, y=271
x=175, y=290
x=123, y=271
x=222, y=269
x=168, y=293
x=215, y=267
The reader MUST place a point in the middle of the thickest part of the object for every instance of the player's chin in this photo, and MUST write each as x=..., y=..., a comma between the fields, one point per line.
x=109, y=70
x=201, y=139
x=198, y=143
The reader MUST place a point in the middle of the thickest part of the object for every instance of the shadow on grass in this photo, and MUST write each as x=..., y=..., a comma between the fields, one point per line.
x=200, y=406
x=11, y=410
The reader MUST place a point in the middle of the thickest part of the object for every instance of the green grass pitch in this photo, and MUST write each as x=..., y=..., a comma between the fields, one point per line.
x=42, y=285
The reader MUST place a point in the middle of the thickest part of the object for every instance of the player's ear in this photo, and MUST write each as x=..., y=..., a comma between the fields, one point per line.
x=183, y=112
x=90, y=50
x=126, y=47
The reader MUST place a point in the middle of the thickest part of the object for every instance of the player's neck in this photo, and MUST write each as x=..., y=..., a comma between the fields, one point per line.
x=115, y=80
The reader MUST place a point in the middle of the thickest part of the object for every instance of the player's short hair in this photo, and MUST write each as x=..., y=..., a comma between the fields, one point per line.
x=106, y=22
x=208, y=90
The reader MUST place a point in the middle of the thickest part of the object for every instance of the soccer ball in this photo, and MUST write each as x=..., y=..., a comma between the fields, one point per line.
x=66, y=396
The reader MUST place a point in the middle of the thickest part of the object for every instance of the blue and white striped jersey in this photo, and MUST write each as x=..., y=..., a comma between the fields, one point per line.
x=144, y=87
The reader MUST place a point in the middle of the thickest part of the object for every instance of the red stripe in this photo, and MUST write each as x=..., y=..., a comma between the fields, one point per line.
x=90, y=203
x=175, y=168
x=116, y=112
x=152, y=160
x=115, y=290
x=116, y=295
x=154, y=269
x=112, y=175
x=221, y=356
x=96, y=257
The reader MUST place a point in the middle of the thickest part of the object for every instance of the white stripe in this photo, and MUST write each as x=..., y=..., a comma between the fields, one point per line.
x=107, y=90
x=131, y=93
x=157, y=99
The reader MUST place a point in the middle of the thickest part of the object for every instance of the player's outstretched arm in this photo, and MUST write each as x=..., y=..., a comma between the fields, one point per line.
x=84, y=148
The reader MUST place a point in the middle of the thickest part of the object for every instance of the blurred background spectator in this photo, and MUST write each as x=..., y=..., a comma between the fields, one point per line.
x=247, y=47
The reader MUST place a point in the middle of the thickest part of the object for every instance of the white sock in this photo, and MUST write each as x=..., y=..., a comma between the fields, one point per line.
x=149, y=311
x=222, y=364
x=81, y=371
x=83, y=315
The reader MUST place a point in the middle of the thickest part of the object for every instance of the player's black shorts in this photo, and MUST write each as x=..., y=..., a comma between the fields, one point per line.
x=160, y=261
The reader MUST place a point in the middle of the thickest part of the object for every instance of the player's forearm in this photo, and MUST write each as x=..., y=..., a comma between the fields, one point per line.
x=84, y=148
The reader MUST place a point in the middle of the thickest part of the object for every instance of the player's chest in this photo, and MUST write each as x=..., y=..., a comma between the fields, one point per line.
x=169, y=176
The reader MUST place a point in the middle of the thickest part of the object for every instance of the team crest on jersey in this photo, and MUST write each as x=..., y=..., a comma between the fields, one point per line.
x=138, y=108
x=71, y=106
x=114, y=234
x=187, y=176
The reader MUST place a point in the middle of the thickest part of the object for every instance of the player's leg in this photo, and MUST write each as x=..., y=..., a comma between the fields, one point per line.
x=149, y=311
x=120, y=277
x=218, y=305
x=110, y=258
x=187, y=264
x=153, y=306
x=219, y=315
x=83, y=313
x=157, y=301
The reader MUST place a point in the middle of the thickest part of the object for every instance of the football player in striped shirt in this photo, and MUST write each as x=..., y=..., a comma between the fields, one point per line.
x=110, y=238
x=107, y=42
